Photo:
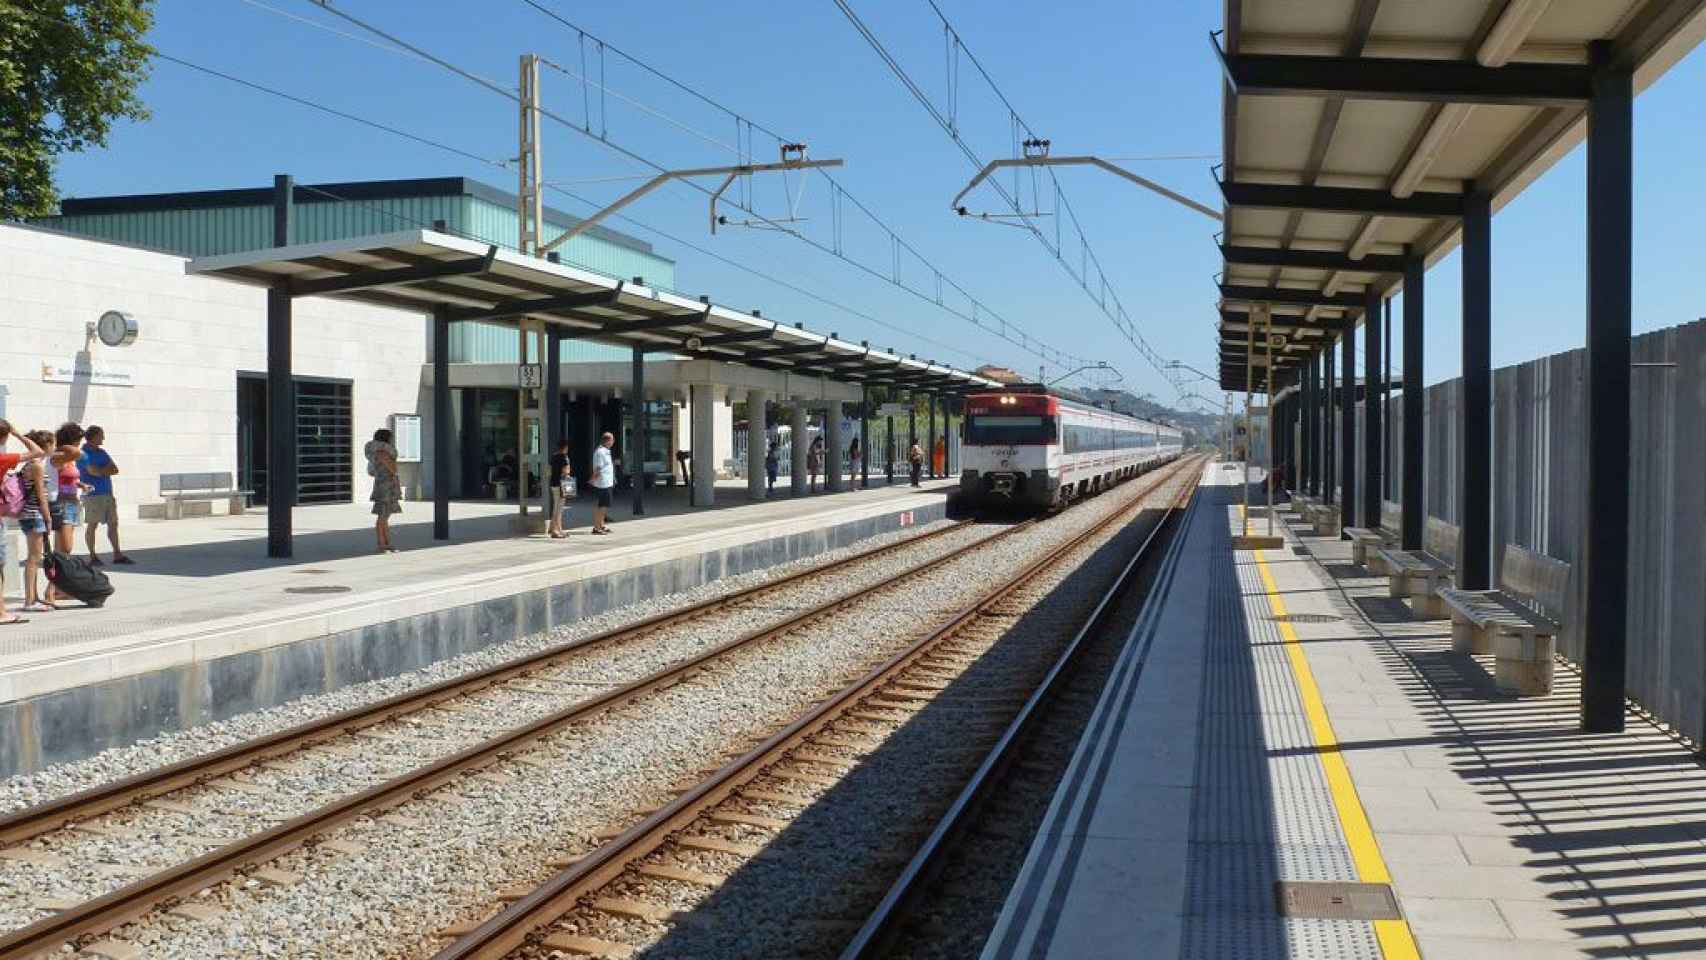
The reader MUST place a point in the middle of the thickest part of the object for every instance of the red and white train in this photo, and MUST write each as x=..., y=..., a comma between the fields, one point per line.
x=1026, y=446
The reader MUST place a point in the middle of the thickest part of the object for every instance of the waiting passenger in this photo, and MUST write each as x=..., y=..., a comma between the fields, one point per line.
x=562, y=489
x=603, y=480
x=35, y=519
x=814, y=463
x=12, y=501
x=99, y=506
x=772, y=465
x=853, y=460
x=915, y=457
x=387, y=493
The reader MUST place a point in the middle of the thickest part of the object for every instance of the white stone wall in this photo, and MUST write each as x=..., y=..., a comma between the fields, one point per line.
x=196, y=335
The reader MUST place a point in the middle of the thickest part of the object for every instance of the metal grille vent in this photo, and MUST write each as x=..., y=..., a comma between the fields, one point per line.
x=1336, y=901
x=327, y=588
x=1305, y=618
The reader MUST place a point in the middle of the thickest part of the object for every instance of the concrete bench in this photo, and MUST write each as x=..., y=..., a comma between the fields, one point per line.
x=193, y=494
x=1388, y=533
x=1518, y=623
x=1419, y=575
x=1323, y=517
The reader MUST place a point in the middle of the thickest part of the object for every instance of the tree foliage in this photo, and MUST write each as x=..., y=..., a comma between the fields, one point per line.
x=68, y=70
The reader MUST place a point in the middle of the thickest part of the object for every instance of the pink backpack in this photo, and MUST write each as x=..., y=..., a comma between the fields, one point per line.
x=11, y=494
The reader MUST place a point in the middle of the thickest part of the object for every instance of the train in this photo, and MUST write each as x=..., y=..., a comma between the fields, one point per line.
x=1027, y=446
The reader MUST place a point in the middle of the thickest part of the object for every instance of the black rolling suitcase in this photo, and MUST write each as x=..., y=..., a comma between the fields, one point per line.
x=77, y=578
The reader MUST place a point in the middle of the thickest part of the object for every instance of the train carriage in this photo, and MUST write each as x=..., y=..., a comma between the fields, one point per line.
x=1027, y=446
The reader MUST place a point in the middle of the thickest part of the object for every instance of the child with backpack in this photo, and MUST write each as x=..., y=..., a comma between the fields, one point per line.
x=11, y=504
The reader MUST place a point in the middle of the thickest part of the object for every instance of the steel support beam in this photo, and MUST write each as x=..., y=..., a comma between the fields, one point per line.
x=1285, y=258
x=1348, y=429
x=864, y=437
x=1365, y=202
x=1605, y=578
x=642, y=424
x=1415, y=438
x=1302, y=298
x=1306, y=462
x=507, y=309
x=550, y=404
x=442, y=437
x=1417, y=81
x=1475, y=406
x=1373, y=413
x=930, y=453
x=1323, y=411
x=372, y=279
x=281, y=389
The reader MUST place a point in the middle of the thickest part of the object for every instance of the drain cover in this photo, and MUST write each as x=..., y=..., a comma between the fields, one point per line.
x=310, y=570
x=1305, y=618
x=328, y=588
x=1335, y=901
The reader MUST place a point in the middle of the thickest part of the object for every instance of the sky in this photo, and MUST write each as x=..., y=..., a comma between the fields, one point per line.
x=1116, y=79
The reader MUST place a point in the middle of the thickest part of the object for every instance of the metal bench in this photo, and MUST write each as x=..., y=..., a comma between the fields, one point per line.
x=1518, y=623
x=193, y=494
x=1362, y=538
x=1421, y=574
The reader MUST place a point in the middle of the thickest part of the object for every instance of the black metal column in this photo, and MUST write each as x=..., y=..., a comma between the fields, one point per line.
x=911, y=422
x=1308, y=411
x=1348, y=428
x=642, y=426
x=442, y=441
x=1329, y=405
x=1415, y=437
x=1475, y=406
x=864, y=437
x=930, y=454
x=281, y=387
x=1610, y=180
x=888, y=459
x=551, y=399
x=1389, y=486
x=1373, y=413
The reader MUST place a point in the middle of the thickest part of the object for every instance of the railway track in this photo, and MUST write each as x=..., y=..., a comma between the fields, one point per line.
x=239, y=772
x=684, y=881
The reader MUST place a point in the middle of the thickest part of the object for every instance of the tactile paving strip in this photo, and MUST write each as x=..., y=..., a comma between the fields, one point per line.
x=1262, y=812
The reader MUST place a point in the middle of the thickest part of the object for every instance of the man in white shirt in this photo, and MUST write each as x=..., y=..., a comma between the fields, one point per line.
x=603, y=480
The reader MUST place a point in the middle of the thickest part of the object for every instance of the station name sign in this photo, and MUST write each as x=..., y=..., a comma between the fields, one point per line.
x=83, y=370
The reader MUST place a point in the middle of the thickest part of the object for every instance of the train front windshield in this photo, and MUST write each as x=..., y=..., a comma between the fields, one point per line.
x=1009, y=429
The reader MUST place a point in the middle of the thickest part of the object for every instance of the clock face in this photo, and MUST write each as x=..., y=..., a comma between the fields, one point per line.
x=116, y=329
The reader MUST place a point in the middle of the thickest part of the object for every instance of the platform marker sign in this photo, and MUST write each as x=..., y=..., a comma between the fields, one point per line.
x=530, y=376
x=906, y=519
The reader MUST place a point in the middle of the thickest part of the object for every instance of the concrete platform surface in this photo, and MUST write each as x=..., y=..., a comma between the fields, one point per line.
x=203, y=594
x=1277, y=717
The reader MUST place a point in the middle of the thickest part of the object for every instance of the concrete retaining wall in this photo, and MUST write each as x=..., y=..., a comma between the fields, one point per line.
x=72, y=724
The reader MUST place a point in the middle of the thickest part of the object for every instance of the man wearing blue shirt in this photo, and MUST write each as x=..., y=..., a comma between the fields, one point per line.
x=98, y=469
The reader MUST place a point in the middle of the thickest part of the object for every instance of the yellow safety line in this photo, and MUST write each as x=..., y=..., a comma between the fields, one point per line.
x=1396, y=940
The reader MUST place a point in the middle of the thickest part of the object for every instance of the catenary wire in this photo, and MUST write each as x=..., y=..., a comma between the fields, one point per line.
x=427, y=141
x=1041, y=350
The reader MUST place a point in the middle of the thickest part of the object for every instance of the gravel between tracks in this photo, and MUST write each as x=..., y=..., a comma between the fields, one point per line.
x=458, y=848
x=147, y=837
x=837, y=857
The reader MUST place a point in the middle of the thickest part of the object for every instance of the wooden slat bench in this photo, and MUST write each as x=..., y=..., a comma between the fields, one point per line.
x=1421, y=574
x=1518, y=623
x=1363, y=538
x=199, y=490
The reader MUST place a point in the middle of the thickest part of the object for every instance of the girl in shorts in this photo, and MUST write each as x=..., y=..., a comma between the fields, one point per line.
x=41, y=493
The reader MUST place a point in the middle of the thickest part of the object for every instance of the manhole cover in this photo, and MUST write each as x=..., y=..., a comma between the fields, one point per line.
x=1305, y=618
x=328, y=588
x=1336, y=901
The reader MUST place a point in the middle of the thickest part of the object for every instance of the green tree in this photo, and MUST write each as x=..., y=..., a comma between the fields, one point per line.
x=68, y=70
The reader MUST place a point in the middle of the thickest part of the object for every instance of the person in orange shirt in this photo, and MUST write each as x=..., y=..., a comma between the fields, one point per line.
x=939, y=458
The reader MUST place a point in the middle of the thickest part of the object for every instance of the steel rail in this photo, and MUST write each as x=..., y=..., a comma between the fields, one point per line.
x=878, y=930
x=128, y=902
x=512, y=926
x=43, y=818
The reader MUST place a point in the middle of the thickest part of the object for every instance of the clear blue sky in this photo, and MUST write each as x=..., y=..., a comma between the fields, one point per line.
x=1094, y=76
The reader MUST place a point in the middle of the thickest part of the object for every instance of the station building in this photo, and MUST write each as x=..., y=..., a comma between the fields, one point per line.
x=188, y=395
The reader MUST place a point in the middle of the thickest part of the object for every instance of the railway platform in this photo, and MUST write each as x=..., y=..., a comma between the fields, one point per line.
x=204, y=626
x=1277, y=719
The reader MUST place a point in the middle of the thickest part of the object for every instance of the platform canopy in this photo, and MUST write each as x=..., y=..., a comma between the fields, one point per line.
x=1354, y=130
x=426, y=272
